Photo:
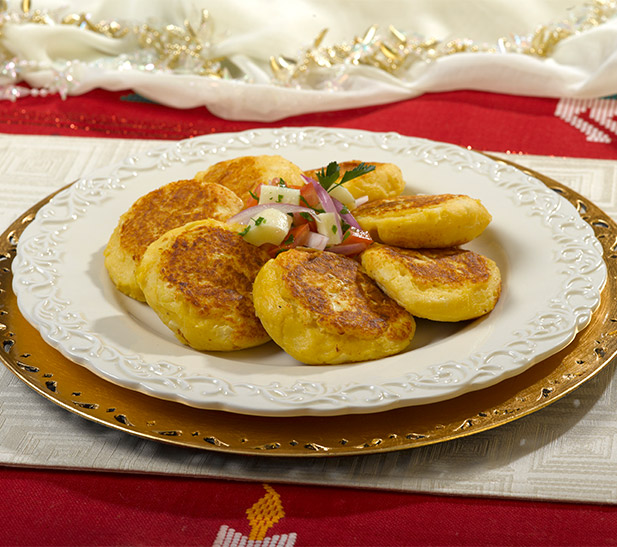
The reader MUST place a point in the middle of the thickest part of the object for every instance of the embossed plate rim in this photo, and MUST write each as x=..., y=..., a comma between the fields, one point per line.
x=48, y=268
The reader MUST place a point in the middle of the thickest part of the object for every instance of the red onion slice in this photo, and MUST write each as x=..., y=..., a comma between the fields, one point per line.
x=244, y=216
x=316, y=241
x=348, y=248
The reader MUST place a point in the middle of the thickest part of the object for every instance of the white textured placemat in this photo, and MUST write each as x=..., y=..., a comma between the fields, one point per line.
x=568, y=451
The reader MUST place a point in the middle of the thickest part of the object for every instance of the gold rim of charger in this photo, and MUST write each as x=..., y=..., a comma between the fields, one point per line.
x=74, y=388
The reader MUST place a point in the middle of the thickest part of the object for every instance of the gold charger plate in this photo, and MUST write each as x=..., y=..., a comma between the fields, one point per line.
x=74, y=388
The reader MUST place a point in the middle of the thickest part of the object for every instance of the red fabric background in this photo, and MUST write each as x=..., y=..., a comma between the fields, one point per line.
x=65, y=508
x=46, y=507
x=483, y=121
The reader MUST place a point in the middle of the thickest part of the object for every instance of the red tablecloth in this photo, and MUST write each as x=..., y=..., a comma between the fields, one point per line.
x=47, y=507
x=483, y=121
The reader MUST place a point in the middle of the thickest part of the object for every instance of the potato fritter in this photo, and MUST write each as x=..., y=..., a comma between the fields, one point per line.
x=322, y=309
x=439, y=284
x=243, y=174
x=198, y=279
x=424, y=221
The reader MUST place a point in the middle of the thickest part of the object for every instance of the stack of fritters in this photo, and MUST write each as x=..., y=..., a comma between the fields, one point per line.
x=197, y=276
x=152, y=215
x=216, y=292
x=418, y=261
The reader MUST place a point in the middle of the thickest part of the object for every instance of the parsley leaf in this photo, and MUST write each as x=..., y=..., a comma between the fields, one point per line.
x=327, y=177
x=359, y=170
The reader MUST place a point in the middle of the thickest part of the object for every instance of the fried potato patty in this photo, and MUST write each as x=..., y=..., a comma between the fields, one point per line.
x=385, y=181
x=243, y=174
x=322, y=309
x=153, y=214
x=439, y=284
x=198, y=279
x=424, y=221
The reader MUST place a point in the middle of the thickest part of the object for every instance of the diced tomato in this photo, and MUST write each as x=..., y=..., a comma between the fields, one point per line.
x=253, y=198
x=357, y=236
x=297, y=237
x=309, y=197
x=300, y=234
x=300, y=219
x=354, y=242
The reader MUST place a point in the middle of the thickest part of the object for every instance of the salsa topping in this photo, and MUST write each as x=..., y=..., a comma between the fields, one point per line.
x=317, y=215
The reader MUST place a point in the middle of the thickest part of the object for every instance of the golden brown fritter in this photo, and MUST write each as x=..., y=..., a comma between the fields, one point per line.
x=198, y=279
x=322, y=309
x=440, y=284
x=385, y=181
x=243, y=174
x=424, y=221
x=152, y=215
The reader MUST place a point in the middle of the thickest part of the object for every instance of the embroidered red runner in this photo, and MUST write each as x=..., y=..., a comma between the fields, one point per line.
x=484, y=121
x=68, y=508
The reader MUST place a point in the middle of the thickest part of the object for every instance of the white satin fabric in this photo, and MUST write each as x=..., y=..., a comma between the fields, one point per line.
x=248, y=33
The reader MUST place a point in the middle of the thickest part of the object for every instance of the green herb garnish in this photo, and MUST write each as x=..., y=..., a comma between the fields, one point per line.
x=327, y=177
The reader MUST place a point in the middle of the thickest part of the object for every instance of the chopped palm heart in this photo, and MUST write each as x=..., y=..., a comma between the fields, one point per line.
x=344, y=196
x=279, y=194
x=271, y=226
x=316, y=215
x=329, y=226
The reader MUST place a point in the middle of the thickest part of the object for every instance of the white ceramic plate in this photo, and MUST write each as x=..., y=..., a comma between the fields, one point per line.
x=550, y=260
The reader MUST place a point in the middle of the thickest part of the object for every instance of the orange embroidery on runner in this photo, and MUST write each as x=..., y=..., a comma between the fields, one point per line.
x=265, y=513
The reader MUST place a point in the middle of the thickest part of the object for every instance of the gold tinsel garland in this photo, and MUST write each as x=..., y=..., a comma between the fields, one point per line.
x=396, y=51
x=188, y=48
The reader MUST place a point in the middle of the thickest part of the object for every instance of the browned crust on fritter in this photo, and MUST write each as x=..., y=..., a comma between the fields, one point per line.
x=171, y=206
x=214, y=269
x=452, y=267
x=316, y=280
x=402, y=204
x=240, y=175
